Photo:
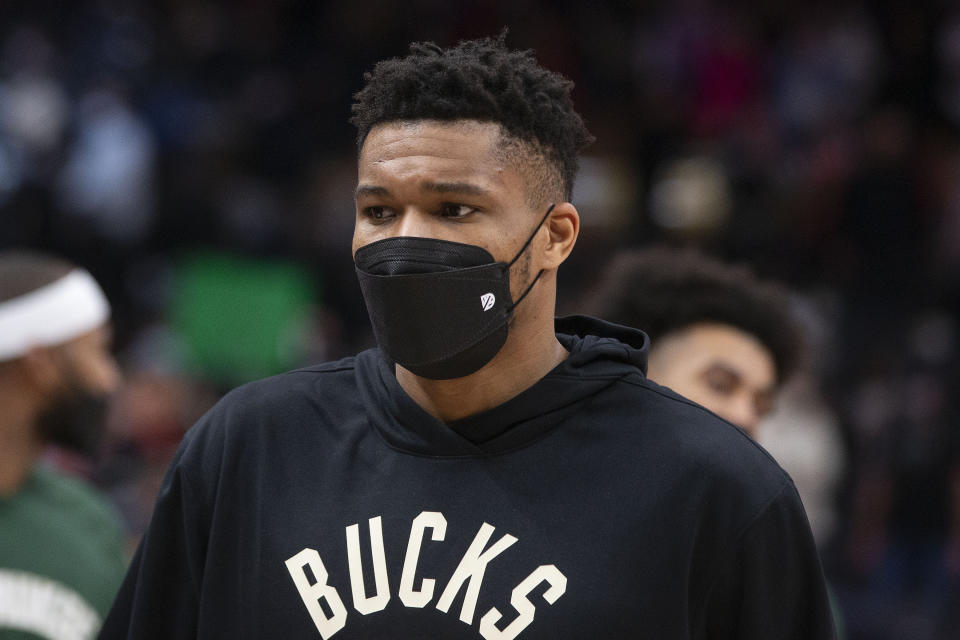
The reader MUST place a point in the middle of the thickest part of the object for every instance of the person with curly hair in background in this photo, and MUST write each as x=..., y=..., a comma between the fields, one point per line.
x=719, y=335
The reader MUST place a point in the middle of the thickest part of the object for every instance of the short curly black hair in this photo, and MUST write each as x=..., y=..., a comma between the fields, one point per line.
x=664, y=290
x=478, y=80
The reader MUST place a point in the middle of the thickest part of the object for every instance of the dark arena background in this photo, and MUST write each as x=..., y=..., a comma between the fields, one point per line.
x=197, y=158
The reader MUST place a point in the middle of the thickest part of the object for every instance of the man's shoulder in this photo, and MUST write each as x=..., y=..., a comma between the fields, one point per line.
x=329, y=378
x=283, y=404
x=703, y=444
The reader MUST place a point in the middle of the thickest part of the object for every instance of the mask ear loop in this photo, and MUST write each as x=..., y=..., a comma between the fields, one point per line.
x=520, y=253
x=532, y=235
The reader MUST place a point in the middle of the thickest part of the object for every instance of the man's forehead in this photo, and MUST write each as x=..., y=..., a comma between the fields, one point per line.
x=461, y=150
x=482, y=134
x=710, y=341
x=436, y=154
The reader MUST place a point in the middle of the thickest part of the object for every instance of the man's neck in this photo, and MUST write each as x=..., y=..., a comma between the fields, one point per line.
x=523, y=361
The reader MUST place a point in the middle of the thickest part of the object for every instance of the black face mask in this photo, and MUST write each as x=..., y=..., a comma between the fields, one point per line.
x=439, y=309
x=75, y=420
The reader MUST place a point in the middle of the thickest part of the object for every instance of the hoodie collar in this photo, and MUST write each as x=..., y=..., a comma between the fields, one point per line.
x=600, y=354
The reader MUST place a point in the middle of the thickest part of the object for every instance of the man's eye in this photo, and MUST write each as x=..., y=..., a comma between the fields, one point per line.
x=377, y=213
x=721, y=382
x=456, y=210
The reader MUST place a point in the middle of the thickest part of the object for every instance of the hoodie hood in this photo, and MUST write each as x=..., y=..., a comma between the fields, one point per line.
x=600, y=353
x=597, y=344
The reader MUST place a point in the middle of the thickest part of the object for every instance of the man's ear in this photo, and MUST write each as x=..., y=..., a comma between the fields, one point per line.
x=563, y=225
x=42, y=367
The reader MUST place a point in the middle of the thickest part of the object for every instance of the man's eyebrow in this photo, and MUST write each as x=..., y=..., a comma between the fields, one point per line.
x=370, y=190
x=770, y=391
x=723, y=367
x=462, y=188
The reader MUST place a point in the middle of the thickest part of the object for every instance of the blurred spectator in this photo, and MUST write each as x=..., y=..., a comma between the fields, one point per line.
x=893, y=569
x=108, y=176
x=803, y=434
x=803, y=431
x=151, y=412
x=61, y=551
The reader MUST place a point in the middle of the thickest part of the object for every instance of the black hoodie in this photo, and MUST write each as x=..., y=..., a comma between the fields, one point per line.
x=326, y=503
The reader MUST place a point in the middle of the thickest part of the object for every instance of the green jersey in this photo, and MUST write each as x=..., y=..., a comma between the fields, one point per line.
x=62, y=558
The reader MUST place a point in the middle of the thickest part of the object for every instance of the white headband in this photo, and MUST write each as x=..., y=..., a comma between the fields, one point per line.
x=52, y=314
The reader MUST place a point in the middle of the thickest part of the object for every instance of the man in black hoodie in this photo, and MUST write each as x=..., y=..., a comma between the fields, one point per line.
x=487, y=472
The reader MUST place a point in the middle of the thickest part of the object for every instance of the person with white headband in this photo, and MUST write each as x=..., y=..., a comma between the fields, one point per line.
x=62, y=551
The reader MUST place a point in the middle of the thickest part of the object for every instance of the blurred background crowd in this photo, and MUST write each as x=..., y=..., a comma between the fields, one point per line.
x=197, y=159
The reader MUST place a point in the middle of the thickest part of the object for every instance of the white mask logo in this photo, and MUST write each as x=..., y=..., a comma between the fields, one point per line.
x=487, y=300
